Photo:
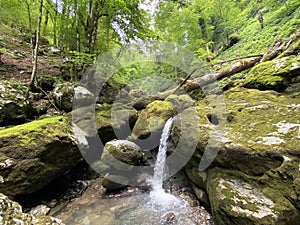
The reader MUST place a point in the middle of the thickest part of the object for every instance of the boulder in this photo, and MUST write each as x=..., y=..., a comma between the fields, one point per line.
x=153, y=119
x=181, y=102
x=11, y=213
x=14, y=108
x=33, y=154
x=236, y=199
x=257, y=140
x=121, y=154
x=273, y=75
x=63, y=96
x=109, y=91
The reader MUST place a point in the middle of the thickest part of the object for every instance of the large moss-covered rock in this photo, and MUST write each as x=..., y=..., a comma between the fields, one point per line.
x=14, y=108
x=259, y=141
x=11, y=214
x=273, y=75
x=236, y=199
x=33, y=154
x=153, y=119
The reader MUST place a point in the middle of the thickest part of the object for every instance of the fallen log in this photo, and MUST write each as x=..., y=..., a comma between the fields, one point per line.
x=201, y=82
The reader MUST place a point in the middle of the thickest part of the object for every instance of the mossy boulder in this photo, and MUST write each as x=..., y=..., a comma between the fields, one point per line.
x=153, y=119
x=14, y=108
x=33, y=154
x=236, y=199
x=273, y=75
x=257, y=137
x=11, y=213
x=253, y=133
x=181, y=102
x=121, y=154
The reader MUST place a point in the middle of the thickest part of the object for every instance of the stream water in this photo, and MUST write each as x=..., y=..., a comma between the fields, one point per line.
x=134, y=207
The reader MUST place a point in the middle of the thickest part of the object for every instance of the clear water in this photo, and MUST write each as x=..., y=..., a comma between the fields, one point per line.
x=155, y=208
x=136, y=209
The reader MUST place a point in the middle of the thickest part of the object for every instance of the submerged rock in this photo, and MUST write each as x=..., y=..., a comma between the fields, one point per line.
x=114, y=182
x=33, y=154
x=11, y=213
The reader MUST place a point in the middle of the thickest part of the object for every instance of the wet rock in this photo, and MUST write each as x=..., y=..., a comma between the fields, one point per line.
x=11, y=213
x=201, y=196
x=273, y=75
x=14, y=108
x=114, y=182
x=40, y=210
x=33, y=154
x=168, y=218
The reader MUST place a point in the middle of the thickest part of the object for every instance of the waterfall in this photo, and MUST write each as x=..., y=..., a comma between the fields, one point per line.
x=159, y=168
x=158, y=195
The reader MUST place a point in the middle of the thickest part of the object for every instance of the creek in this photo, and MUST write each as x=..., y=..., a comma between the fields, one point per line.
x=134, y=206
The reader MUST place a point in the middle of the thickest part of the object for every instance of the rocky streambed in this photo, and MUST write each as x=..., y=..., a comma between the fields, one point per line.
x=242, y=158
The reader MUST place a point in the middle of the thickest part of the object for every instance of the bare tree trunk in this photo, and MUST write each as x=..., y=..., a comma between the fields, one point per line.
x=238, y=67
x=55, y=24
x=46, y=23
x=30, y=27
x=35, y=55
x=77, y=26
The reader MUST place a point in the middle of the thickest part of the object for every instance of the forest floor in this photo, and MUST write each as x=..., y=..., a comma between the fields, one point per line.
x=17, y=63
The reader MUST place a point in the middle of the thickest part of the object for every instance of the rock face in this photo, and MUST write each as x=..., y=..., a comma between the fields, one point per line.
x=14, y=108
x=275, y=74
x=32, y=154
x=259, y=153
x=11, y=213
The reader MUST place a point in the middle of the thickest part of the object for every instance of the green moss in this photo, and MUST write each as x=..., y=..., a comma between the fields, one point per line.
x=275, y=74
x=27, y=133
x=279, y=24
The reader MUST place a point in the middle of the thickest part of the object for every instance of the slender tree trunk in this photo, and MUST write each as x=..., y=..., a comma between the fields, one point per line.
x=77, y=26
x=35, y=55
x=46, y=23
x=30, y=27
x=55, y=24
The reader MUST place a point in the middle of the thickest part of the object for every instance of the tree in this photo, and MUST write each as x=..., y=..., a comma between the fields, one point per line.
x=35, y=55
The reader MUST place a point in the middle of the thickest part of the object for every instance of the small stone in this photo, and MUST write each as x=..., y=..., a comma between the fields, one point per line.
x=40, y=210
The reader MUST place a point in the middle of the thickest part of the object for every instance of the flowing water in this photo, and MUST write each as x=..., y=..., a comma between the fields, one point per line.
x=134, y=207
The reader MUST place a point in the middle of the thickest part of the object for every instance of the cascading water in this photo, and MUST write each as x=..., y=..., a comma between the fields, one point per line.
x=157, y=208
x=158, y=195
